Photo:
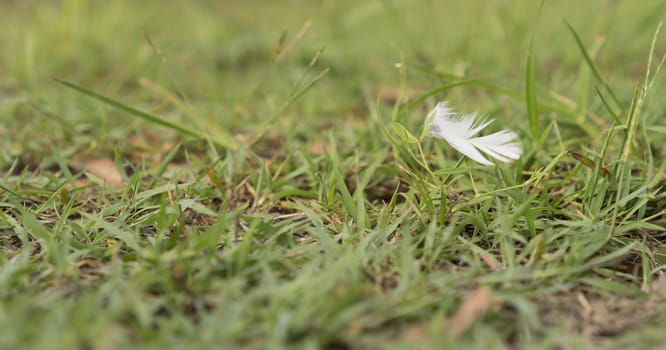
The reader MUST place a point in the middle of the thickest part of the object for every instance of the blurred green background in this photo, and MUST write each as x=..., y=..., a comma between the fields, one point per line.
x=220, y=57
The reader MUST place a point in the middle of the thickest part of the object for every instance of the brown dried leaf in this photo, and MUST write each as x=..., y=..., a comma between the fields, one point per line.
x=472, y=308
x=105, y=169
x=417, y=332
x=320, y=147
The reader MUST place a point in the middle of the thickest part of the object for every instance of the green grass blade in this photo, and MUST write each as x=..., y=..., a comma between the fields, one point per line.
x=418, y=101
x=530, y=86
x=593, y=67
x=530, y=96
x=584, y=72
x=609, y=109
x=143, y=115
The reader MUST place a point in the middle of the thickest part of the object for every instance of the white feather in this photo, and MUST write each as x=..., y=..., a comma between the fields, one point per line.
x=460, y=130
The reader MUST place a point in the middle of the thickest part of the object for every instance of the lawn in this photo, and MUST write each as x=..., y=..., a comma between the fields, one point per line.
x=259, y=175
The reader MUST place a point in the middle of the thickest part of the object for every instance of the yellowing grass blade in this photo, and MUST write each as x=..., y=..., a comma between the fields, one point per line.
x=590, y=164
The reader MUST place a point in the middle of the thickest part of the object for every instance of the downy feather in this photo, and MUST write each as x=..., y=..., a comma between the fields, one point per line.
x=460, y=130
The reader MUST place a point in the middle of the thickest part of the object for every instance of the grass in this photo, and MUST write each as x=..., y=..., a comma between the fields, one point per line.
x=264, y=180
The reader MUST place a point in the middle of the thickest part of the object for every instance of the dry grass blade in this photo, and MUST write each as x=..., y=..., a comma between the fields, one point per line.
x=475, y=305
x=591, y=164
